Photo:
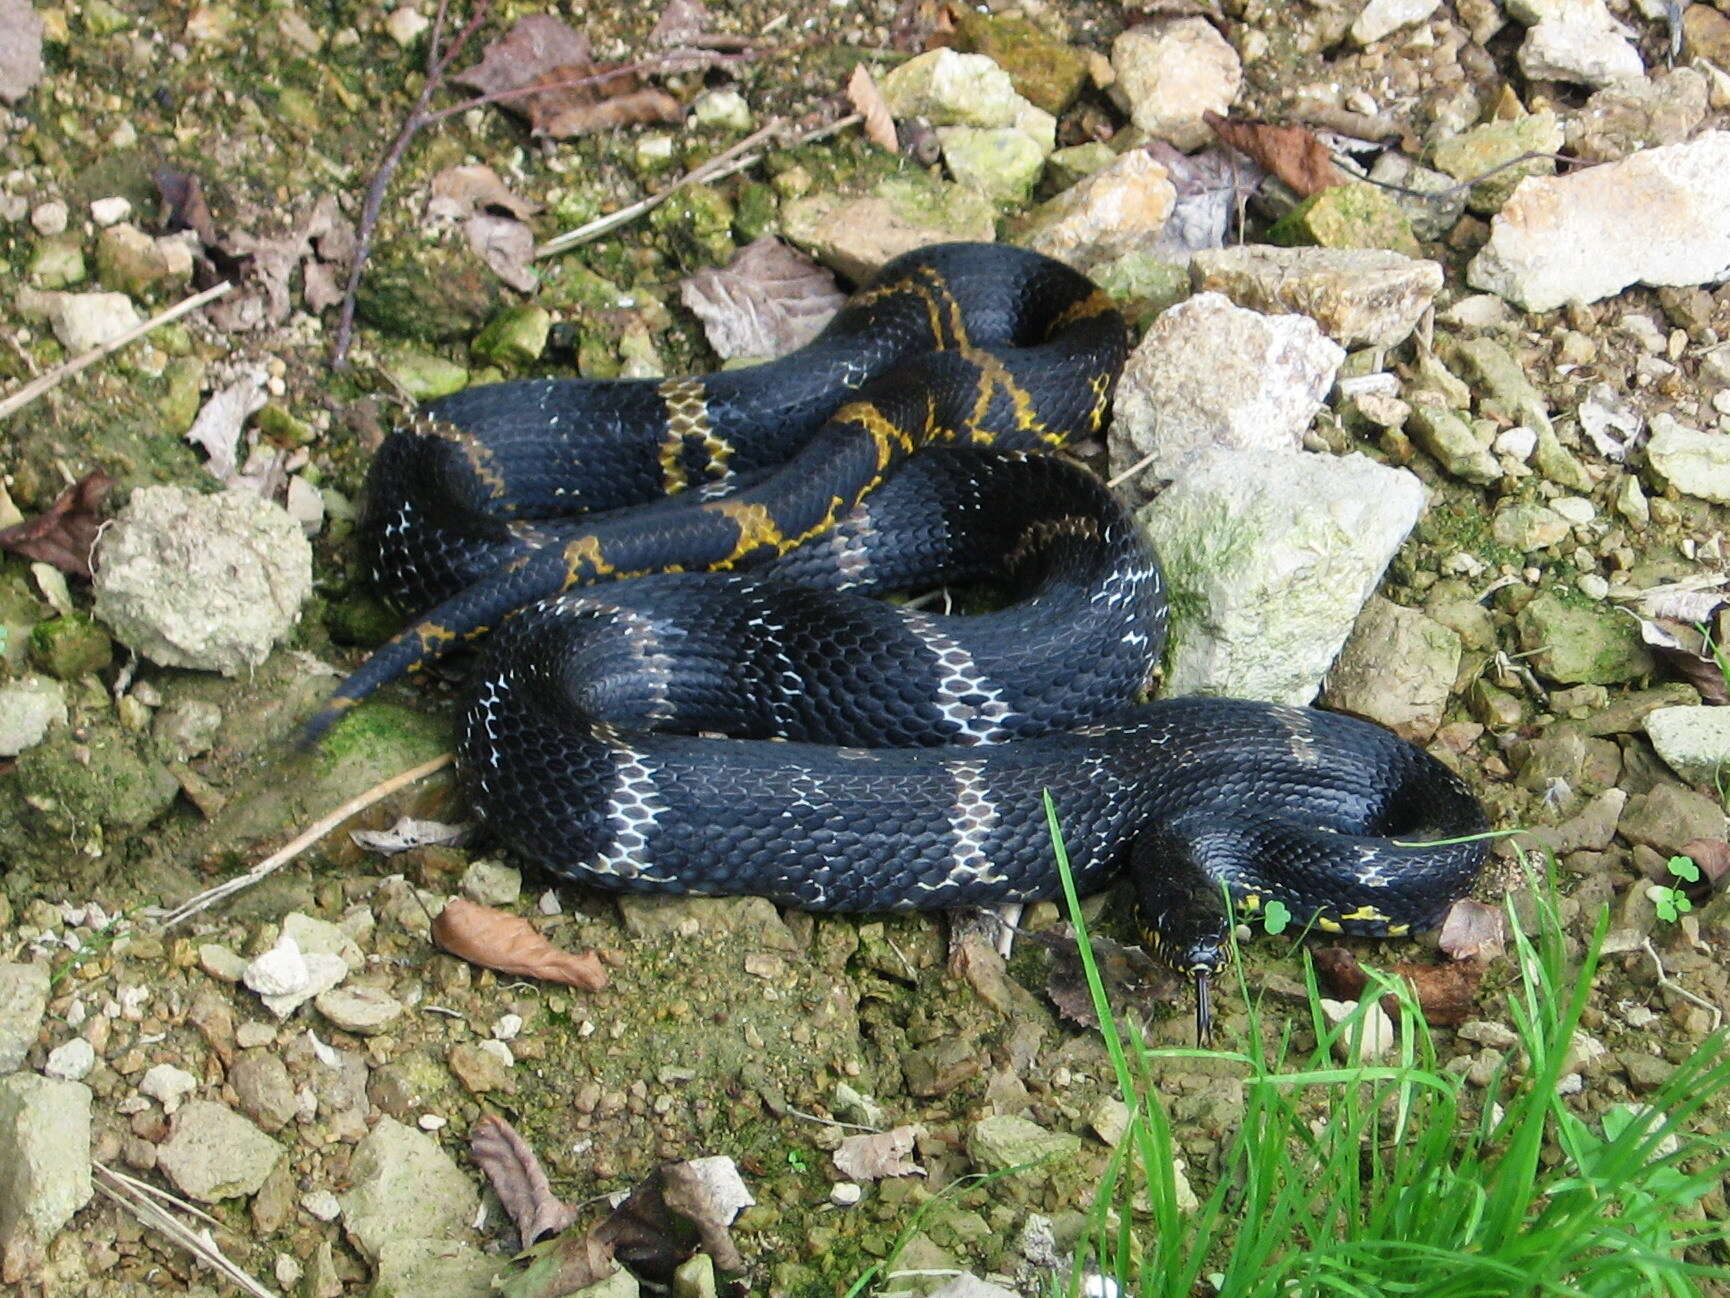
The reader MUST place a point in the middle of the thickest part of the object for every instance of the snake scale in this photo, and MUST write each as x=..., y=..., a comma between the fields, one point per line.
x=876, y=756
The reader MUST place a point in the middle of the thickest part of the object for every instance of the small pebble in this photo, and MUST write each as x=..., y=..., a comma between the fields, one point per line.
x=50, y=218
x=106, y=211
x=430, y=1122
x=844, y=1194
x=321, y=1204
x=71, y=1061
x=507, y=1027
x=168, y=1086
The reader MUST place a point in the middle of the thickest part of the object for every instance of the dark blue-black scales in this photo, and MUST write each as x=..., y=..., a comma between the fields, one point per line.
x=747, y=714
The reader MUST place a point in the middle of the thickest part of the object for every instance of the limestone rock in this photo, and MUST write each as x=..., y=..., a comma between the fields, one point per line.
x=28, y=707
x=948, y=88
x=856, y=235
x=1484, y=149
x=1113, y=211
x=1000, y=162
x=209, y=582
x=1210, y=374
x=1693, y=741
x=1275, y=552
x=82, y=321
x=1653, y=218
x=1450, y=440
x=1361, y=297
x=434, y=1268
x=212, y=1153
x=44, y=1161
x=1695, y=463
x=1574, y=645
x=20, y=49
x=1381, y=18
x=1173, y=74
x=23, y=1002
x=1581, y=44
x=1005, y=1141
x=1397, y=669
x=404, y=1187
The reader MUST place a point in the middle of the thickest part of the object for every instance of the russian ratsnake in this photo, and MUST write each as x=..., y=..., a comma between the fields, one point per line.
x=877, y=757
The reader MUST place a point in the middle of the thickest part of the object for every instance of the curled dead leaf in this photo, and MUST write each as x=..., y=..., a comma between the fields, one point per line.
x=496, y=939
x=1291, y=153
x=63, y=534
x=877, y=1155
x=769, y=300
x=863, y=94
x=517, y=1178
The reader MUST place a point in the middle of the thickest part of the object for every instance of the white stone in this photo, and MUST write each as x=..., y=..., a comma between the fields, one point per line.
x=168, y=1086
x=1271, y=555
x=107, y=211
x=1172, y=74
x=71, y=1061
x=280, y=971
x=1581, y=44
x=1695, y=463
x=1656, y=217
x=1381, y=18
x=1120, y=207
x=1209, y=374
x=1361, y=297
x=1517, y=443
x=83, y=321
x=405, y=24
x=1693, y=741
x=28, y=707
x=50, y=218
x=844, y=1194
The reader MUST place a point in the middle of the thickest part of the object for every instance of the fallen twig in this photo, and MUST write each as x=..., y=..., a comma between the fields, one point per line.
x=305, y=839
x=60, y=373
x=722, y=165
x=140, y=1199
x=1665, y=980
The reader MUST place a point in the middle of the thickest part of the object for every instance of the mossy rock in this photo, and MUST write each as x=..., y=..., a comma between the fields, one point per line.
x=1045, y=71
x=429, y=293
x=1355, y=215
x=1575, y=644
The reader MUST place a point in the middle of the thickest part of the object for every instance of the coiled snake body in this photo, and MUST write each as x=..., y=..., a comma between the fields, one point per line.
x=878, y=757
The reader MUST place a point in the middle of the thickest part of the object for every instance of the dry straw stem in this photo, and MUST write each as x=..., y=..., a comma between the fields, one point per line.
x=60, y=373
x=142, y=1201
x=305, y=839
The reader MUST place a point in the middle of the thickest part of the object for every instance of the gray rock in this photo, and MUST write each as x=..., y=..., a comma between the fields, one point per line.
x=1670, y=817
x=404, y=1187
x=210, y=582
x=1172, y=74
x=1528, y=527
x=1209, y=374
x=264, y=1090
x=621, y=1284
x=1490, y=150
x=70, y=1061
x=1695, y=463
x=1583, y=45
x=20, y=49
x=1275, y=553
x=1397, y=669
x=1000, y=162
x=1004, y=1140
x=1693, y=741
x=664, y=918
x=1114, y=211
x=317, y=936
x=1623, y=119
x=1448, y=438
x=44, y=1159
x=1381, y=18
x=1653, y=218
x=212, y=1153
x=1575, y=645
x=83, y=321
x=23, y=1002
x=186, y=728
x=856, y=235
x=434, y=1268
x=1431, y=218
x=365, y=1011
x=1361, y=297
x=492, y=883
x=28, y=706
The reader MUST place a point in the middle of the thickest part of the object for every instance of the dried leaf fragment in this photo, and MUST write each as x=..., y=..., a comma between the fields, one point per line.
x=1473, y=930
x=496, y=939
x=566, y=92
x=769, y=300
x=863, y=94
x=517, y=1178
x=64, y=533
x=1291, y=153
x=407, y=833
x=1446, y=993
x=877, y=1155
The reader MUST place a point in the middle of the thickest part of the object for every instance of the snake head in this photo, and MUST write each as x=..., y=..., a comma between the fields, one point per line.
x=1185, y=921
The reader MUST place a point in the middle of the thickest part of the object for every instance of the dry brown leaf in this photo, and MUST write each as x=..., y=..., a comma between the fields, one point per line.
x=878, y=1155
x=1473, y=930
x=457, y=192
x=517, y=1178
x=1447, y=993
x=496, y=939
x=569, y=94
x=1292, y=153
x=507, y=246
x=769, y=300
x=63, y=534
x=864, y=95
x=183, y=204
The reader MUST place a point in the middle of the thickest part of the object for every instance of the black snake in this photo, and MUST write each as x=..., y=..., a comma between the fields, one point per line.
x=877, y=757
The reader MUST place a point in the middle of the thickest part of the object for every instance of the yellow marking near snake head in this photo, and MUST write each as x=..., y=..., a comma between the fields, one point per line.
x=1364, y=915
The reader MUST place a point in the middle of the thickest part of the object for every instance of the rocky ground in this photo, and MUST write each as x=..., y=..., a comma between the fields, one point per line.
x=1453, y=452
